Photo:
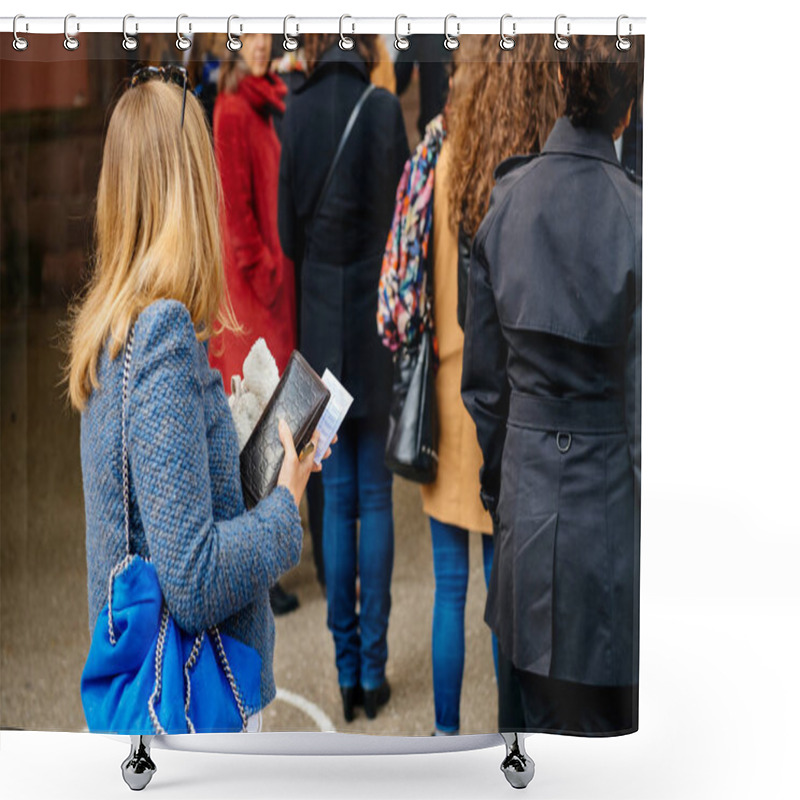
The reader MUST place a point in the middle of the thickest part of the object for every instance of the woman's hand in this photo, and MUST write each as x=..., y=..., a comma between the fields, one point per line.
x=295, y=472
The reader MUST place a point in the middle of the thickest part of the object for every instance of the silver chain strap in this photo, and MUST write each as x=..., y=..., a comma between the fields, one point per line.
x=223, y=660
x=121, y=567
x=162, y=633
x=126, y=370
x=191, y=661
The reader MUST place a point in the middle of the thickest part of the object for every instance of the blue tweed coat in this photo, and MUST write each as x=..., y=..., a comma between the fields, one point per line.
x=214, y=560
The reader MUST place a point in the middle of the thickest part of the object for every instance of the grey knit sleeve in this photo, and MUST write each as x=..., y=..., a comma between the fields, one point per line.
x=208, y=569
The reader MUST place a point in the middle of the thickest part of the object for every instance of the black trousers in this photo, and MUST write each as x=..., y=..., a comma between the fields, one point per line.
x=529, y=703
x=315, y=497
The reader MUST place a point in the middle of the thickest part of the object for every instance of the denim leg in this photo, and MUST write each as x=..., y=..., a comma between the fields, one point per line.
x=451, y=573
x=375, y=551
x=488, y=558
x=339, y=549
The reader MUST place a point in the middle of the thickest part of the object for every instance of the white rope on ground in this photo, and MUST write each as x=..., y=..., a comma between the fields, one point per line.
x=322, y=720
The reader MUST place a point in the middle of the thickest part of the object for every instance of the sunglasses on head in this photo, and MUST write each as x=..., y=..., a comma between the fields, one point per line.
x=173, y=74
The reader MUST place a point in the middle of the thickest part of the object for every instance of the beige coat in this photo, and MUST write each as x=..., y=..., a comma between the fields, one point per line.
x=454, y=497
x=382, y=74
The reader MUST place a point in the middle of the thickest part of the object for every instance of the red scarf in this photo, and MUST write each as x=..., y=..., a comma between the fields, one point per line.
x=265, y=94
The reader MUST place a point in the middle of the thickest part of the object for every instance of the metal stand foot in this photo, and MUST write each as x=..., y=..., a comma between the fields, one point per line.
x=518, y=766
x=138, y=768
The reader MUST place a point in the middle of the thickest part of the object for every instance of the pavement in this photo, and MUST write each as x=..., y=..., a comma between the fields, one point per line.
x=44, y=635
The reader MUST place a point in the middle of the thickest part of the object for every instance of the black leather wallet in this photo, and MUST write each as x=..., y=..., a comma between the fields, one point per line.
x=300, y=398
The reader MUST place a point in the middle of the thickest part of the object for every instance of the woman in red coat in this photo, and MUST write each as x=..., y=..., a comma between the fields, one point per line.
x=260, y=278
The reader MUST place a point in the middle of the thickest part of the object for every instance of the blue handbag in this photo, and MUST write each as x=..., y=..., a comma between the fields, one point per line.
x=143, y=674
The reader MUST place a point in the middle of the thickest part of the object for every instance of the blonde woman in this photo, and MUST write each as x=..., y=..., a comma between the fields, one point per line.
x=158, y=276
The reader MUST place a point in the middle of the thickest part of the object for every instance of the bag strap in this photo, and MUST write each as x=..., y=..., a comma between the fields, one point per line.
x=342, y=142
x=126, y=492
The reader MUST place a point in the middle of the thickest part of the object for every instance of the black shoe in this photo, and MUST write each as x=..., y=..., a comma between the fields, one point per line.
x=375, y=698
x=352, y=696
x=282, y=602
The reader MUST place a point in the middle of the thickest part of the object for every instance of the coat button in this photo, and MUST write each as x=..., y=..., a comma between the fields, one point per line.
x=563, y=441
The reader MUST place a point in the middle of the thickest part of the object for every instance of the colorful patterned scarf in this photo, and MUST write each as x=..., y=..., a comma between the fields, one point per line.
x=403, y=304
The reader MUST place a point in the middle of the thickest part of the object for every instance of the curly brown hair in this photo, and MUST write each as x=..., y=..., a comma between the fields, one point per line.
x=505, y=103
x=316, y=44
x=600, y=81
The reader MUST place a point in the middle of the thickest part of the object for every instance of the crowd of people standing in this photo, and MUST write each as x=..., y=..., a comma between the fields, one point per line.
x=536, y=287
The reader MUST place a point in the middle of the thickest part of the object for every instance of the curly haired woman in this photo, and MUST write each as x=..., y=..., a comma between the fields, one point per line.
x=480, y=134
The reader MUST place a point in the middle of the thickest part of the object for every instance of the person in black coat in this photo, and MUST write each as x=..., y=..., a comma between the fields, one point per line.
x=426, y=51
x=337, y=244
x=552, y=365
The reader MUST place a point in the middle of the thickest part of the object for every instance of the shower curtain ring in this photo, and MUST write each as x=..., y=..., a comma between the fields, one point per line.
x=507, y=42
x=346, y=42
x=234, y=43
x=401, y=42
x=560, y=42
x=623, y=43
x=451, y=42
x=182, y=43
x=19, y=43
x=70, y=42
x=289, y=42
x=129, y=42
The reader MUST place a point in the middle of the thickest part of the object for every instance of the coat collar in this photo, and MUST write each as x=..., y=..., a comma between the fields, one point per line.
x=334, y=57
x=588, y=142
x=265, y=94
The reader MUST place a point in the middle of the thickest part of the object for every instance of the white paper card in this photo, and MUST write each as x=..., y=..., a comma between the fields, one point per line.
x=333, y=415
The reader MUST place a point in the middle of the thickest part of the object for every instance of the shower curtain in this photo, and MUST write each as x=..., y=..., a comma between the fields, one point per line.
x=504, y=595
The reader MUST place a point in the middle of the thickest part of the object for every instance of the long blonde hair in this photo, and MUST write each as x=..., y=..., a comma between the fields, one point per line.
x=157, y=229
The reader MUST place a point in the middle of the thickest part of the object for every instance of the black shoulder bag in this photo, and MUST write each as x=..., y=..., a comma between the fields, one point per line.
x=413, y=438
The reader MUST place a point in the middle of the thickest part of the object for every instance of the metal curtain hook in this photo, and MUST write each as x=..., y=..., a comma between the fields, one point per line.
x=289, y=42
x=346, y=42
x=507, y=42
x=129, y=42
x=70, y=42
x=451, y=42
x=19, y=43
x=623, y=43
x=560, y=42
x=182, y=43
x=234, y=43
x=401, y=42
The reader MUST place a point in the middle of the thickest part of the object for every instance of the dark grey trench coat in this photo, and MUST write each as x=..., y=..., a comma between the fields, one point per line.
x=551, y=377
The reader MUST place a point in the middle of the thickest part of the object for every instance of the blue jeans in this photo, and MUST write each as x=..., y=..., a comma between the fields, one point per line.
x=451, y=571
x=358, y=485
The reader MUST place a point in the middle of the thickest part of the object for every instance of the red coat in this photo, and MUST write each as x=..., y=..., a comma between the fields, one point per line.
x=260, y=278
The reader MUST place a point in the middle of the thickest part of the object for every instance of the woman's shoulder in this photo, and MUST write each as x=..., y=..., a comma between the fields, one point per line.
x=383, y=101
x=231, y=110
x=232, y=105
x=165, y=325
x=164, y=314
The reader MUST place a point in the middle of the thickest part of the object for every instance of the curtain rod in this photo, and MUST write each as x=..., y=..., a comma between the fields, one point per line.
x=456, y=26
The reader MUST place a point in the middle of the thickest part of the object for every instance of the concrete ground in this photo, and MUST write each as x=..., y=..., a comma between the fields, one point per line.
x=44, y=634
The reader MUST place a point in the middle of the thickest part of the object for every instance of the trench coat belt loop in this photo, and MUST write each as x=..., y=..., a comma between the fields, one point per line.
x=566, y=416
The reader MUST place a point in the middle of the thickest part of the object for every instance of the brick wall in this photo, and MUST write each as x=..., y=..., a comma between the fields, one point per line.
x=52, y=113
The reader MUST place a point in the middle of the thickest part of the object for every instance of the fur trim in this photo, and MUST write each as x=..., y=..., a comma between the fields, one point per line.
x=249, y=397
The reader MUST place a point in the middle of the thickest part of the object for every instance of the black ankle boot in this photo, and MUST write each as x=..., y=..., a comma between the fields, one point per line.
x=281, y=601
x=351, y=697
x=375, y=698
